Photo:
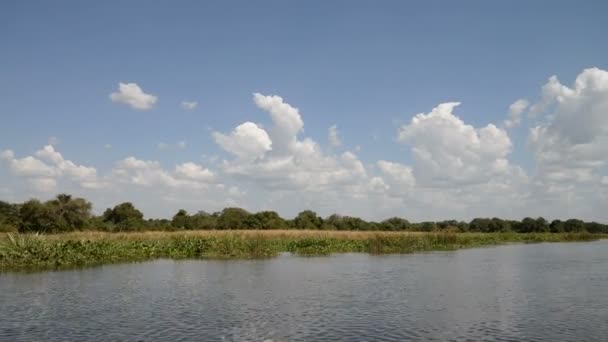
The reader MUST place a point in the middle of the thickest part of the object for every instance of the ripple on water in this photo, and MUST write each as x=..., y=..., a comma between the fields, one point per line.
x=548, y=292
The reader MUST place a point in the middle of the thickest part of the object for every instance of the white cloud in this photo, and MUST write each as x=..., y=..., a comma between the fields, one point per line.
x=280, y=161
x=87, y=176
x=47, y=166
x=450, y=153
x=246, y=141
x=571, y=141
x=516, y=110
x=287, y=121
x=188, y=105
x=400, y=174
x=107, y=146
x=193, y=171
x=333, y=136
x=28, y=166
x=132, y=95
x=43, y=184
x=452, y=169
x=149, y=173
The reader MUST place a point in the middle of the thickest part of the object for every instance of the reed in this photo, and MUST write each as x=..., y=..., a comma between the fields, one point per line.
x=80, y=249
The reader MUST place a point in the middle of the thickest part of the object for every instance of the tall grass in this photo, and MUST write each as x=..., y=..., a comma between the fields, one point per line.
x=34, y=251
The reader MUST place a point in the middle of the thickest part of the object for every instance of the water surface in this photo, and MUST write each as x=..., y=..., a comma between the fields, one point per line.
x=540, y=292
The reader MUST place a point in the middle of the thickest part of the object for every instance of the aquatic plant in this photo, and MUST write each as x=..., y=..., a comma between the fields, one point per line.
x=78, y=249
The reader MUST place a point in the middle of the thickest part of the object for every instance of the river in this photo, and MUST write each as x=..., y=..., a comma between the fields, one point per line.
x=537, y=292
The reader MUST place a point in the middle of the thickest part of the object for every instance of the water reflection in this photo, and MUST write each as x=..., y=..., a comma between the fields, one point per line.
x=546, y=292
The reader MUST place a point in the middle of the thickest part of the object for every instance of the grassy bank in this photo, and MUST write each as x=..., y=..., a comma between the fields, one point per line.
x=40, y=252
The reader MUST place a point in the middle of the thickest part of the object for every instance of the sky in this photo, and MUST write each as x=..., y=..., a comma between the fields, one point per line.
x=427, y=110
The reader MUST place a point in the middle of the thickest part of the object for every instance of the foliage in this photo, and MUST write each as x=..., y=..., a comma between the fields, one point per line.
x=65, y=213
x=123, y=217
x=61, y=214
x=232, y=218
x=37, y=251
x=307, y=219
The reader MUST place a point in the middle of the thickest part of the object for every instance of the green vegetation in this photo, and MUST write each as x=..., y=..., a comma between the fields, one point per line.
x=78, y=249
x=65, y=214
x=63, y=232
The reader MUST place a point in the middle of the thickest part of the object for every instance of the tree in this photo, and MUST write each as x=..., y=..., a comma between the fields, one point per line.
x=203, y=220
x=72, y=213
x=307, y=219
x=480, y=225
x=395, y=224
x=557, y=226
x=265, y=220
x=427, y=226
x=574, y=225
x=181, y=220
x=36, y=217
x=595, y=227
x=63, y=213
x=530, y=225
x=353, y=223
x=232, y=218
x=124, y=217
x=9, y=216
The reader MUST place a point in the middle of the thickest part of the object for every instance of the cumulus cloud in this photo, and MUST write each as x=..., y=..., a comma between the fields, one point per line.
x=399, y=174
x=149, y=173
x=189, y=105
x=571, y=141
x=281, y=160
x=247, y=140
x=131, y=94
x=516, y=109
x=452, y=169
x=28, y=166
x=47, y=166
x=450, y=153
x=333, y=136
x=193, y=171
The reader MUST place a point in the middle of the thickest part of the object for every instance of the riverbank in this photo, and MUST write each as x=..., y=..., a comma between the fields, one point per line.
x=90, y=248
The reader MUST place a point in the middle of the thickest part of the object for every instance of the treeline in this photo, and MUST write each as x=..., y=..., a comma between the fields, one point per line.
x=65, y=213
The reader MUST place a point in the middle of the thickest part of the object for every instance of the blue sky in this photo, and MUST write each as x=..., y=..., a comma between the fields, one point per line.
x=366, y=67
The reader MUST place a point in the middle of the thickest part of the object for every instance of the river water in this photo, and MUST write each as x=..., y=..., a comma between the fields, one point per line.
x=540, y=292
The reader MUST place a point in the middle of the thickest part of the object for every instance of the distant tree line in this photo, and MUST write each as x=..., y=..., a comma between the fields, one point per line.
x=66, y=213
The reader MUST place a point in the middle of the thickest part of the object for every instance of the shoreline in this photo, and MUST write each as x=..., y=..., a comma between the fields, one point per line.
x=33, y=252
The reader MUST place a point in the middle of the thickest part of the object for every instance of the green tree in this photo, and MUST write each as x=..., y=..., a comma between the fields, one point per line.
x=480, y=224
x=181, y=220
x=265, y=220
x=9, y=216
x=232, y=218
x=61, y=214
x=307, y=219
x=574, y=225
x=395, y=224
x=204, y=220
x=124, y=217
x=557, y=226
x=71, y=213
x=35, y=216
